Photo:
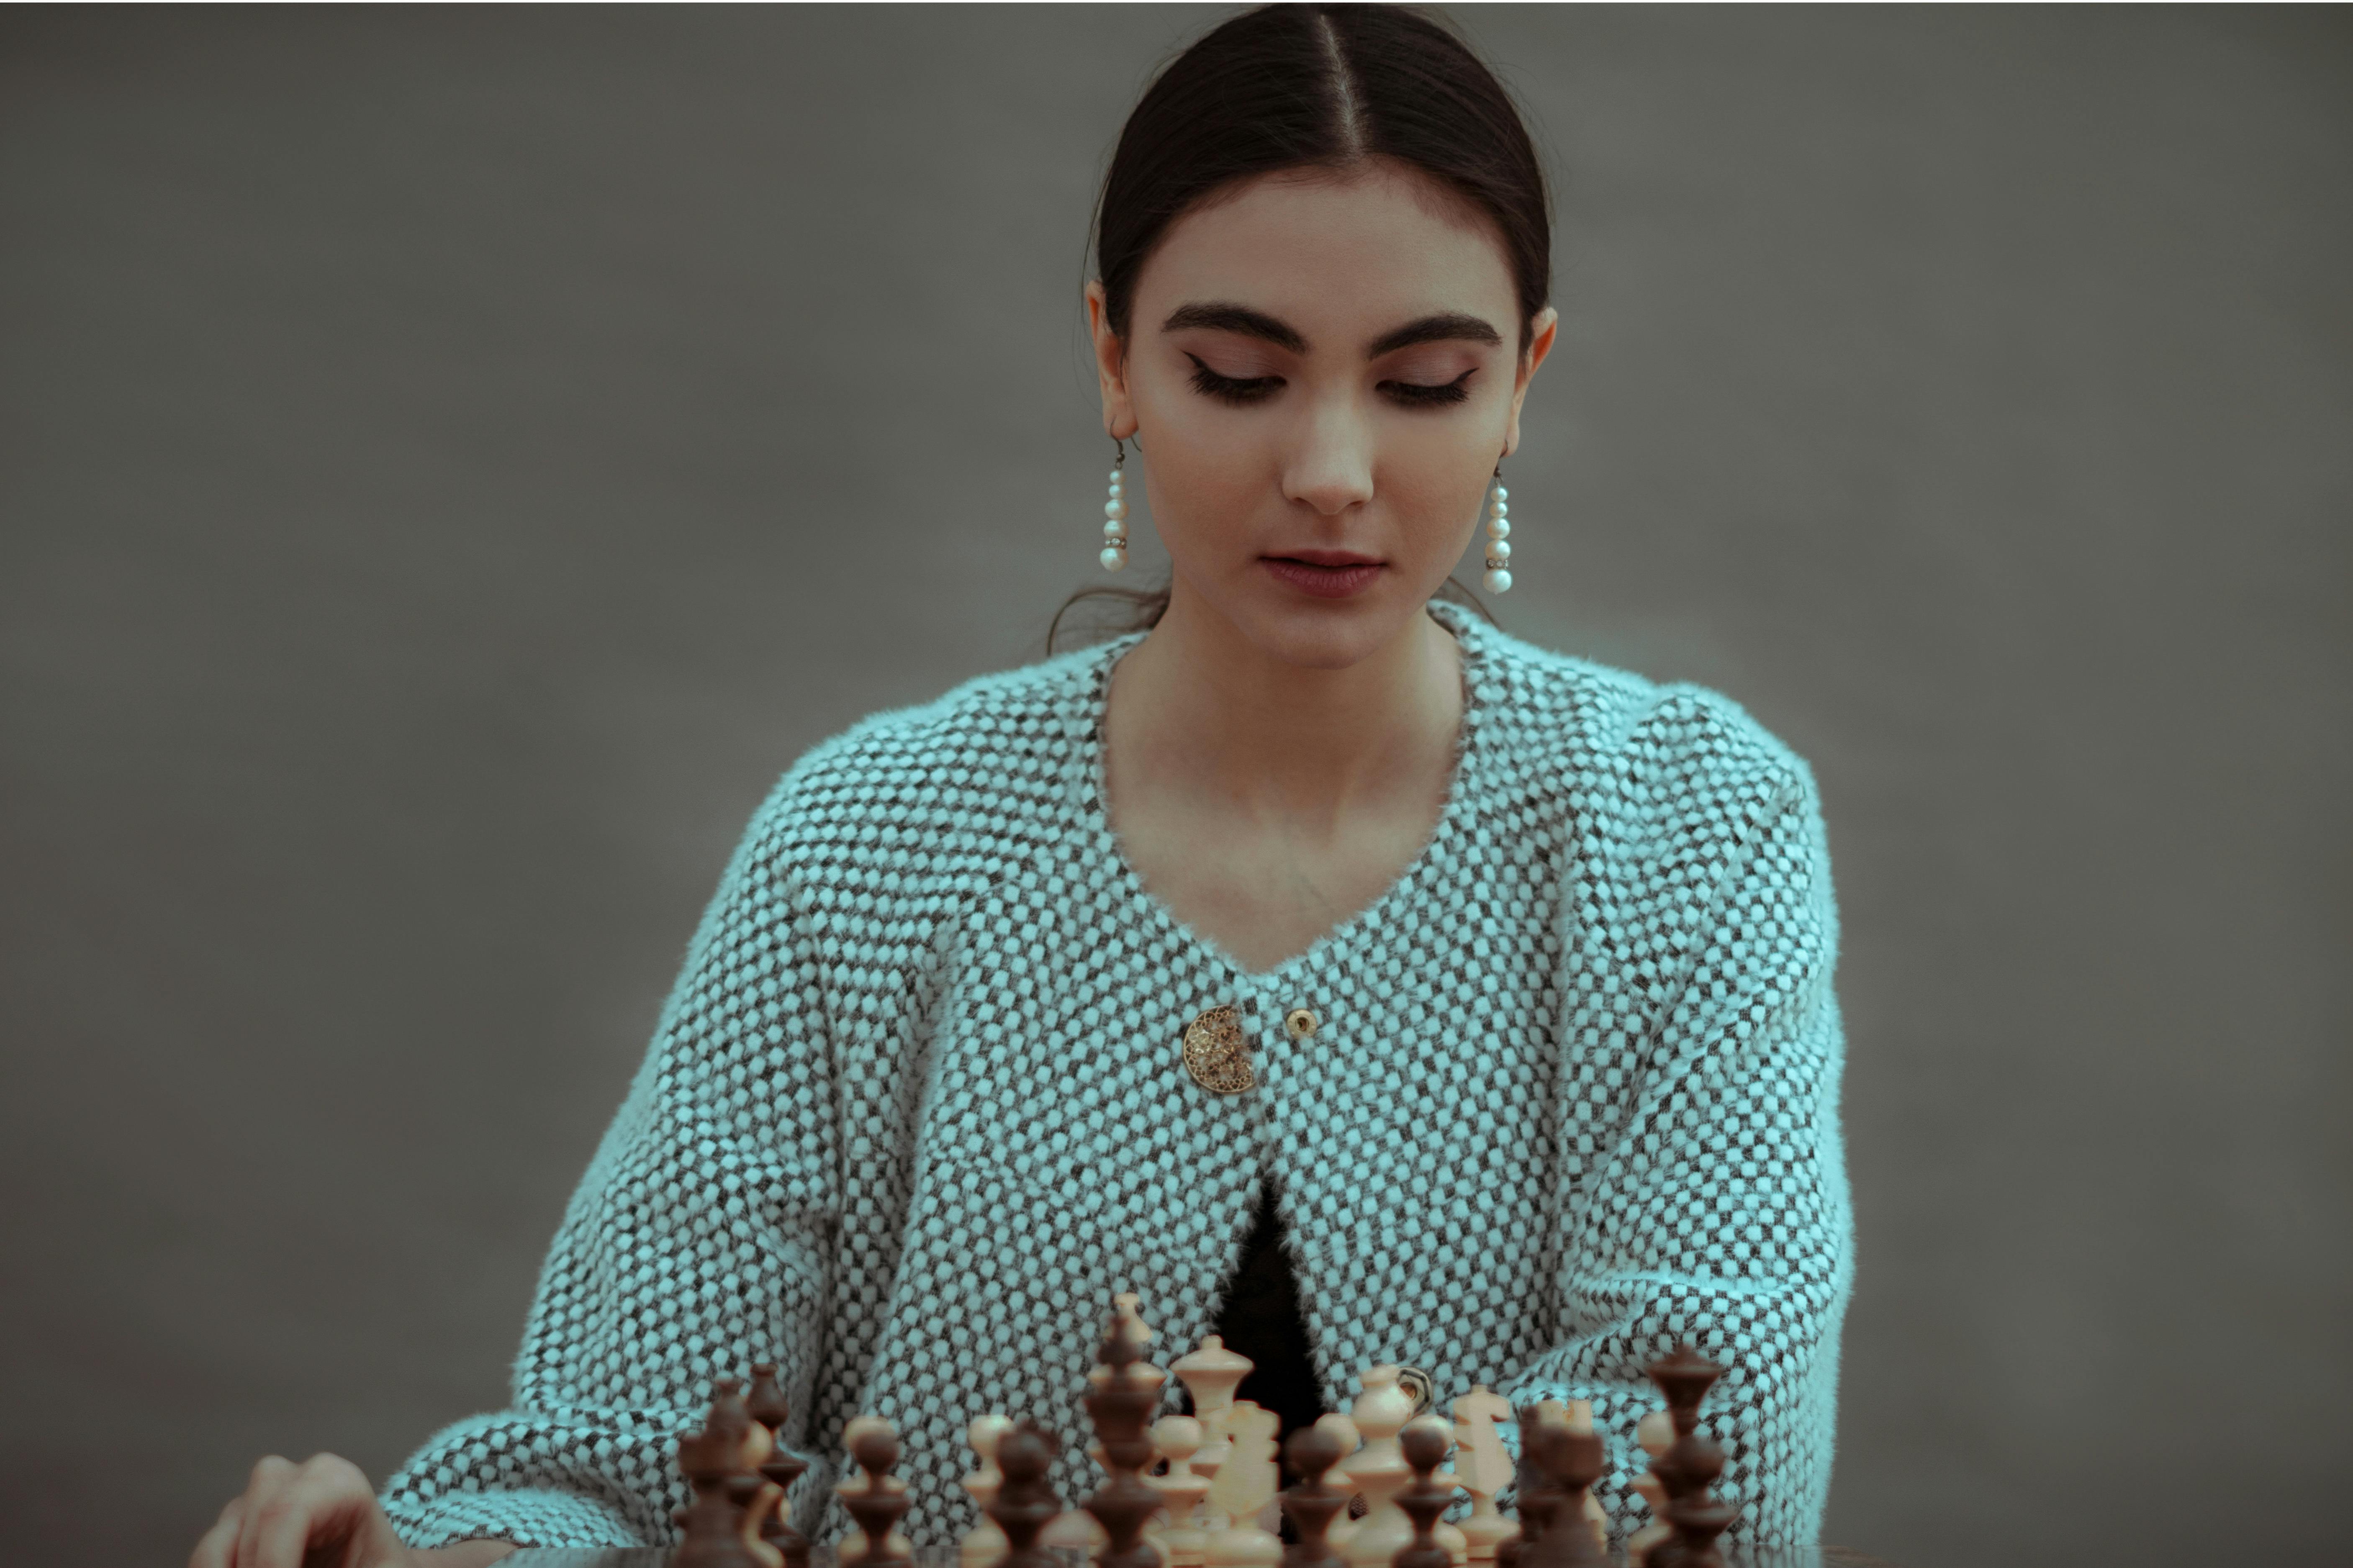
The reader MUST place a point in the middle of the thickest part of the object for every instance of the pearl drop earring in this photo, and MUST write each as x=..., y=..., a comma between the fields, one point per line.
x=1499, y=538
x=1115, y=549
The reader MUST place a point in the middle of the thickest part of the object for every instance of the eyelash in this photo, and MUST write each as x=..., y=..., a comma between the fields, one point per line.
x=1257, y=389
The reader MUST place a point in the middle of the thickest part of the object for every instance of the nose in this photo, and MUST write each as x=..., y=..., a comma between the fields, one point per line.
x=1330, y=466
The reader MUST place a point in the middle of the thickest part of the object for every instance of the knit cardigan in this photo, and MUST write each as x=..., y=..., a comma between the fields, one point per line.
x=915, y=1109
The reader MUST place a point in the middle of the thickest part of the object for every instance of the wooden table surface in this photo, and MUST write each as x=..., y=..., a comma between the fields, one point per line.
x=945, y=1557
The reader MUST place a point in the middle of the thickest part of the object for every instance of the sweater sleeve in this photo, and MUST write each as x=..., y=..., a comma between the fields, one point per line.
x=700, y=1239
x=1710, y=1206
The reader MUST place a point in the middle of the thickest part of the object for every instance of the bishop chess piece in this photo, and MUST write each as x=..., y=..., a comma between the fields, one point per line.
x=1120, y=1402
x=878, y=1501
x=1310, y=1505
x=765, y=1404
x=1423, y=1445
x=1210, y=1375
x=1024, y=1499
x=1688, y=1469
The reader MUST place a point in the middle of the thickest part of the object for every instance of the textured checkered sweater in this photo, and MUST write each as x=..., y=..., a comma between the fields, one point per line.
x=916, y=1109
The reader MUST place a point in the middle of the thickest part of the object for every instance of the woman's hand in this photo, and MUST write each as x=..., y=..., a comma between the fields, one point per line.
x=321, y=1513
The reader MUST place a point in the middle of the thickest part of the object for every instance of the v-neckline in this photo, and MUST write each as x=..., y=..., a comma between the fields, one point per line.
x=1106, y=846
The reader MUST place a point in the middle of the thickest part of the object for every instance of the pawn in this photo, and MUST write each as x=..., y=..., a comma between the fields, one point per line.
x=984, y=1545
x=1423, y=1445
x=1179, y=1438
x=1310, y=1506
x=1024, y=1499
x=879, y=1502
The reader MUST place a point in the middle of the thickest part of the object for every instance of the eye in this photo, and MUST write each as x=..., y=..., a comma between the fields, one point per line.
x=1226, y=389
x=1420, y=394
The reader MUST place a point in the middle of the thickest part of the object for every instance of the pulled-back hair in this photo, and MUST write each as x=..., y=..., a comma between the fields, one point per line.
x=1316, y=87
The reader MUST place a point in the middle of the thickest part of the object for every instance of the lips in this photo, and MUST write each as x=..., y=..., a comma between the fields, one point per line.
x=1346, y=575
x=1328, y=558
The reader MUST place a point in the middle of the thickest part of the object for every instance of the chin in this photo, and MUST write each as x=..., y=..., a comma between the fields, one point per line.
x=1324, y=636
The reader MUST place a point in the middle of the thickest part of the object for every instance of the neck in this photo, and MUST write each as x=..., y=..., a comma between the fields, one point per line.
x=1201, y=709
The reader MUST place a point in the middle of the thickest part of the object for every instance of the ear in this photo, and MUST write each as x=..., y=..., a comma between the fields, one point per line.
x=1542, y=330
x=1110, y=367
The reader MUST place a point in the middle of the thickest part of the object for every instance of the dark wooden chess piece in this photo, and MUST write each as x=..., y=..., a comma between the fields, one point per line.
x=713, y=1462
x=1310, y=1506
x=1424, y=1444
x=1025, y=1503
x=1535, y=1501
x=881, y=1502
x=1690, y=1466
x=1121, y=1401
x=765, y=1404
x=1568, y=1462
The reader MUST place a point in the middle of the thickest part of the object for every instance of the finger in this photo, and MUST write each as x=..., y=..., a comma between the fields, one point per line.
x=213, y=1550
x=298, y=1504
x=270, y=1474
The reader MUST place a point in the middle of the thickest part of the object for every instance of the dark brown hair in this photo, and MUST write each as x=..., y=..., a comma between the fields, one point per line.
x=1316, y=86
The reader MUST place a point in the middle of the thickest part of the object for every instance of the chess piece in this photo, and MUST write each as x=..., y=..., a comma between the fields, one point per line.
x=1024, y=1499
x=984, y=1545
x=1119, y=1403
x=1179, y=1438
x=1655, y=1433
x=1244, y=1485
x=1210, y=1375
x=720, y=1528
x=1377, y=1471
x=1311, y=1505
x=878, y=1501
x=1569, y=1461
x=1482, y=1467
x=766, y=1405
x=1688, y=1469
x=1423, y=1446
x=1343, y=1433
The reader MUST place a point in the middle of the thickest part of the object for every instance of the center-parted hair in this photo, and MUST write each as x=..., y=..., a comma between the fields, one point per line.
x=1292, y=87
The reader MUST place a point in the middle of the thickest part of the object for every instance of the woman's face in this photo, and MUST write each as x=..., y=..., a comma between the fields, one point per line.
x=1320, y=370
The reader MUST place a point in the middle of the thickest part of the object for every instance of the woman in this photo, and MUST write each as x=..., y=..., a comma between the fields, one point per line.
x=1314, y=949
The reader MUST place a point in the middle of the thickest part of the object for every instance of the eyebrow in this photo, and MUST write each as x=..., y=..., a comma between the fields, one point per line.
x=1225, y=317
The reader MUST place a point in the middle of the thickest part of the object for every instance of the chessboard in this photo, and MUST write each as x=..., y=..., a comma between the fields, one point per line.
x=1071, y=1557
x=1200, y=1491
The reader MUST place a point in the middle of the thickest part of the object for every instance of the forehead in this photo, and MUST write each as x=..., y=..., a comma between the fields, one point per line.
x=1356, y=254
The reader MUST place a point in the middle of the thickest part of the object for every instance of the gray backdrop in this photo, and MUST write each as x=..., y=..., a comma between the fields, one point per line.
x=454, y=460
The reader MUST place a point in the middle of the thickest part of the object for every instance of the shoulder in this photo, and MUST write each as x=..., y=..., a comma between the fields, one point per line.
x=956, y=770
x=1673, y=756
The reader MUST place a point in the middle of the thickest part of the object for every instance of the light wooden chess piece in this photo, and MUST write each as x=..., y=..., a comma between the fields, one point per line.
x=1656, y=1434
x=1245, y=1483
x=876, y=1484
x=1377, y=1471
x=1482, y=1467
x=1179, y=1438
x=983, y=1546
x=1210, y=1375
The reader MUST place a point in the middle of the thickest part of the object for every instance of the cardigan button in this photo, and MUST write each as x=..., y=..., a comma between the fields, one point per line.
x=1301, y=1022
